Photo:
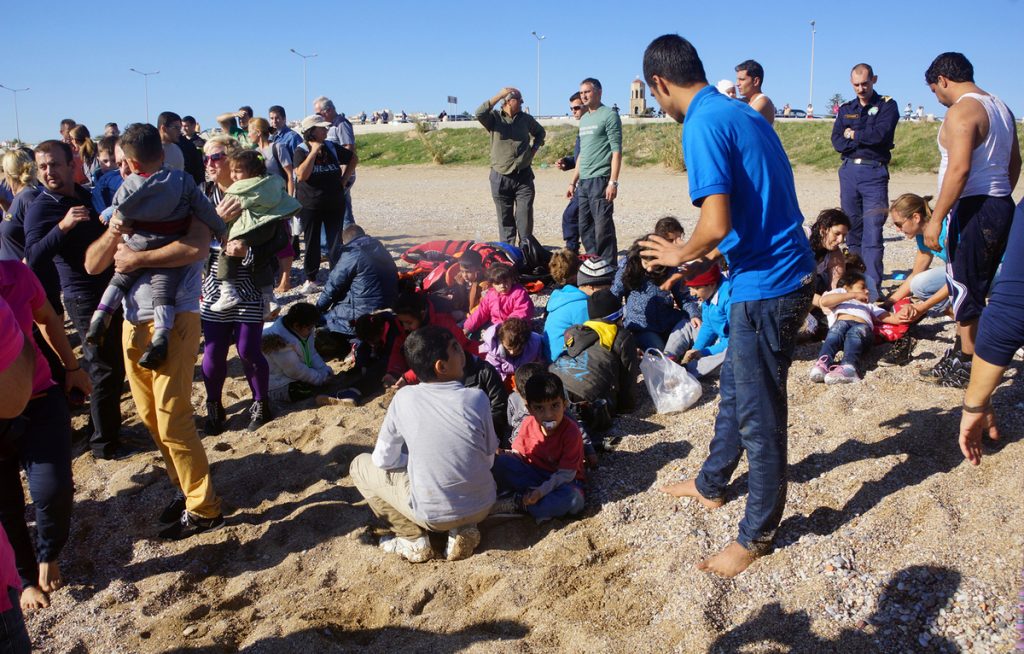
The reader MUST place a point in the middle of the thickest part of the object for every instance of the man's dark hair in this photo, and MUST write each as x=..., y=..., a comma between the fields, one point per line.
x=301, y=314
x=574, y=97
x=862, y=66
x=249, y=161
x=752, y=68
x=52, y=145
x=425, y=347
x=543, y=387
x=277, y=109
x=188, y=119
x=68, y=122
x=141, y=141
x=673, y=59
x=592, y=81
x=351, y=233
x=166, y=118
x=849, y=278
x=525, y=372
x=954, y=66
x=247, y=109
x=106, y=144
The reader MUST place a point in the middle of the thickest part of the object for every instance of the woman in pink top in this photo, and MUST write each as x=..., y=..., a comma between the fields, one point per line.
x=39, y=441
x=505, y=299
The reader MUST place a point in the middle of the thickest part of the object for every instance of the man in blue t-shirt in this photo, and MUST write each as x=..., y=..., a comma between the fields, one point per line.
x=742, y=181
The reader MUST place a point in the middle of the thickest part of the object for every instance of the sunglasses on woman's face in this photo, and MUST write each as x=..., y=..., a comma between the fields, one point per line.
x=216, y=157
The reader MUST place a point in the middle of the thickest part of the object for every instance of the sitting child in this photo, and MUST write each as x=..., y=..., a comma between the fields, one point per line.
x=600, y=367
x=430, y=467
x=518, y=412
x=544, y=469
x=650, y=312
x=505, y=299
x=412, y=311
x=702, y=349
x=157, y=204
x=509, y=345
x=296, y=370
x=851, y=322
x=567, y=305
x=467, y=285
x=376, y=334
x=265, y=200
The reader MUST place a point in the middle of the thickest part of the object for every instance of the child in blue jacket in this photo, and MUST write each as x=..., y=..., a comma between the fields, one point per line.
x=701, y=347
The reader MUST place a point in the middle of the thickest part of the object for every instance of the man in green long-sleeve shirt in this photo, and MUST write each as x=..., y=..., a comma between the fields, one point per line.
x=512, y=153
x=596, y=181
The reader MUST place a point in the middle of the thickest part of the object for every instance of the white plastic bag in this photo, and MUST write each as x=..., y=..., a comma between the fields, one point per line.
x=671, y=387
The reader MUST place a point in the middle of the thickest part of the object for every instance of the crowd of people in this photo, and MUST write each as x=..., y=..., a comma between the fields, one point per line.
x=154, y=240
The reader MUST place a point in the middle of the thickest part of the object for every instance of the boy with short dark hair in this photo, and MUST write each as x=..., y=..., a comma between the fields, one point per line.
x=430, y=468
x=157, y=204
x=544, y=468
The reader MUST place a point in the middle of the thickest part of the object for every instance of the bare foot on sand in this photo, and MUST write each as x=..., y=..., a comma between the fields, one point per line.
x=32, y=598
x=688, y=488
x=49, y=576
x=728, y=563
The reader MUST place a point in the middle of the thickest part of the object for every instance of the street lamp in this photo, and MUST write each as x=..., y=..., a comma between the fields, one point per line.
x=17, y=123
x=539, y=39
x=146, y=76
x=305, y=95
x=810, y=95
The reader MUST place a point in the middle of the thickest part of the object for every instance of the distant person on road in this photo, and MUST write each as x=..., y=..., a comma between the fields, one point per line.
x=596, y=179
x=749, y=77
x=979, y=169
x=515, y=138
x=571, y=215
x=863, y=136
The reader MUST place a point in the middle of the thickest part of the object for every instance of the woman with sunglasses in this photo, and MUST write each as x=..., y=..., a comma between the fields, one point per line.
x=243, y=323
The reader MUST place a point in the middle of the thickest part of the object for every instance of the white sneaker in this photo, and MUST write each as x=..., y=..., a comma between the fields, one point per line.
x=461, y=542
x=228, y=298
x=310, y=287
x=413, y=551
x=819, y=370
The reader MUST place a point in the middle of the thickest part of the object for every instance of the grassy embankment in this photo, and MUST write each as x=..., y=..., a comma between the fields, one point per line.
x=656, y=144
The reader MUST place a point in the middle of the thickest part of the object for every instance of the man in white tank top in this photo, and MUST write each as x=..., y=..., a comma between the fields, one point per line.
x=980, y=166
x=749, y=77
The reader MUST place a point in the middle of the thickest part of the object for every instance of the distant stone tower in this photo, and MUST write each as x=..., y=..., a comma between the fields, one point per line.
x=637, y=98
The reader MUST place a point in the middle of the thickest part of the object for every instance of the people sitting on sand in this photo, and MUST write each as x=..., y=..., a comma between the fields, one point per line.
x=567, y=304
x=364, y=280
x=851, y=329
x=510, y=345
x=413, y=311
x=518, y=411
x=543, y=473
x=463, y=293
x=599, y=367
x=828, y=239
x=376, y=334
x=430, y=470
x=506, y=298
x=701, y=347
x=595, y=275
x=296, y=369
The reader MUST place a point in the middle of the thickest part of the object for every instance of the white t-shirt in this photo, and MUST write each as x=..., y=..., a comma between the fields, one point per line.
x=869, y=313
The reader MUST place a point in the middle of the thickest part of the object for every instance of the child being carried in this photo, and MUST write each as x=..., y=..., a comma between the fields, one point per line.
x=157, y=204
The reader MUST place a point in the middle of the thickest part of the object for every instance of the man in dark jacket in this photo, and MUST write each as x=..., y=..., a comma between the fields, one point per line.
x=600, y=360
x=364, y=280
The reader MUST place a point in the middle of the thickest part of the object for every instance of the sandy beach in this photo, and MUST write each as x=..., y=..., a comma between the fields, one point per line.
x=890, y=541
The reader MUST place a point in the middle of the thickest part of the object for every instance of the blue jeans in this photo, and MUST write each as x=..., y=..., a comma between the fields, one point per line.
x=647, y=339
x=927, y=283
x=13, y=635
x=852, y=337
x=753, y=411
x=513, y=474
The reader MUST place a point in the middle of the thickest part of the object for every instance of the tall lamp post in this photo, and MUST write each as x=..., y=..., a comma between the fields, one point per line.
x=305, y=95
x=810, y=95
x=539, y=39
x=17, y=122
x=146, y=76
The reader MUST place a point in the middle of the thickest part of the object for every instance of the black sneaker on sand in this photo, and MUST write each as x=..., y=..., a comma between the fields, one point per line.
x=190, y=525
x=260, y=414
x=958, y=373
x=172, y=512
x=936, y=372
x=215, y=417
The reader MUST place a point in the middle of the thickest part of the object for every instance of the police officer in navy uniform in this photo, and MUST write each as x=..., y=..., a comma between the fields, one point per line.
x=863, y=136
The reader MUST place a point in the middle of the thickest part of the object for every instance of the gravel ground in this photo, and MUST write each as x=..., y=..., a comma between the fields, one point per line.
x=889, y=542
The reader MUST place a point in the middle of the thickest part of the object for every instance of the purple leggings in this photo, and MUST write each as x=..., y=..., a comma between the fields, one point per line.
x=247, y=337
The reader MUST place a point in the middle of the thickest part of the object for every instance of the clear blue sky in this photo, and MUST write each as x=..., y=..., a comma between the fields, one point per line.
x=411, y=55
